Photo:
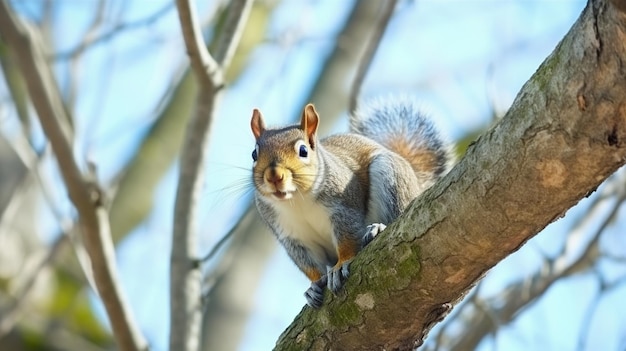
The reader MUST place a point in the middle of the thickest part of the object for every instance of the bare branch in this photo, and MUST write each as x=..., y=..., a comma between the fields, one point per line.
x=205, y=67
x=185, y=275
x=16, y=87
x=329, y=92
x=605, y=287
x=85, y=196
x=33, y=162
x=370, y=51
x=91, y=39
x=220, y=243
x=232, y=31
x=72, y=76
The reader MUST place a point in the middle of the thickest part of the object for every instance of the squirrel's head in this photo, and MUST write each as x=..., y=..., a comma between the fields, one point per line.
x=285, y=159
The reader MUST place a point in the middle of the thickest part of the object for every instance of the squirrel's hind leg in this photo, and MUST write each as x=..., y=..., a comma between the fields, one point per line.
x=337, y=276
x=315, y=293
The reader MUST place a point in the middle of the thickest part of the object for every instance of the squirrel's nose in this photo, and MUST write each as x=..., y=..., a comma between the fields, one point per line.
x=274, y=176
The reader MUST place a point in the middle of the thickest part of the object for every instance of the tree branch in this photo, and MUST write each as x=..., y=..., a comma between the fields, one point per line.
x=85, y=196
x=185, y=275
x=564, y=134
x=205, y=67
x=370, y=52
x=91, y=39
x=502, y=309
x=238, y=13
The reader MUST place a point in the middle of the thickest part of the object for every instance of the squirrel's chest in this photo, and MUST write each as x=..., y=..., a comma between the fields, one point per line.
x=307, y=221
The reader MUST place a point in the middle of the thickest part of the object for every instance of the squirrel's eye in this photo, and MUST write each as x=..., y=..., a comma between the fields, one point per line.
x=255, y=153
x=303, y=152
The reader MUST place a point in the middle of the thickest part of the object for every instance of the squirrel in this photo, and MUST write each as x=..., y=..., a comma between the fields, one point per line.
x=326, y=199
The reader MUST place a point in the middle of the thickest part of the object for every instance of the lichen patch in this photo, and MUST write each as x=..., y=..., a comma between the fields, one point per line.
x=552, y=173
x=365, y=301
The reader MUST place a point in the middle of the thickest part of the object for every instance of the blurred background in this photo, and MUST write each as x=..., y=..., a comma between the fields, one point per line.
x=122, y=70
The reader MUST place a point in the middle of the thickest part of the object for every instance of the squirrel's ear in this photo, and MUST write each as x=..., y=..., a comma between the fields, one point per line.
x=257, y=123
x=310, y=120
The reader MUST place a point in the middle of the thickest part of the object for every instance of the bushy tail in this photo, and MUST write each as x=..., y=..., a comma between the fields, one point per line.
x=397, y=124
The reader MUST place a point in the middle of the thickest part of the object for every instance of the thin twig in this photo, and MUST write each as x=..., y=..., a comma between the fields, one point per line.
x=85, y=196
x=223, y=240
x=119, y=28
x=185, y=274
x=33, y=161
x=370, y=51
x=587, y=320
x=11, y=315
x=74, y=62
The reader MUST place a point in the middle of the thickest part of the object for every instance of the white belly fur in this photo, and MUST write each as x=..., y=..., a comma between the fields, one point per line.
x=308, y=222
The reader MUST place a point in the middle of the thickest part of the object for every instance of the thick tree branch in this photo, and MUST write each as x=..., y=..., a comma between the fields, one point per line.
x=185, y=275
x=564, y=134
x=502, y=309
x=85, y=195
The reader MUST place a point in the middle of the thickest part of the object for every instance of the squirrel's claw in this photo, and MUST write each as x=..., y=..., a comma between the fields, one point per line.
x=371, y=232
x=315, y=293
x=338, y=276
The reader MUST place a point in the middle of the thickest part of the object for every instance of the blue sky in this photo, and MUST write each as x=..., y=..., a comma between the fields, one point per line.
x=460, y=59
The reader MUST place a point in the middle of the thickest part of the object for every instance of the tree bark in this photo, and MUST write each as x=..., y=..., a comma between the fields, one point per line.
x=564, y=134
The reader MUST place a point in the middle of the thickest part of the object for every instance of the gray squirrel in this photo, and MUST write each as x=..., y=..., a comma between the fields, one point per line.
x=326, y=199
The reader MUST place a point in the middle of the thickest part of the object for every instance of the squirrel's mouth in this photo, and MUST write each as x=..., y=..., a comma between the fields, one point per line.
x=280, y=195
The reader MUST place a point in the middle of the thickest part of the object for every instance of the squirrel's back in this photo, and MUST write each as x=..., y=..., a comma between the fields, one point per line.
x=397, y=124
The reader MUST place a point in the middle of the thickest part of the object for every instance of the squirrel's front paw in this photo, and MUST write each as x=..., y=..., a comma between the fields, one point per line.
x=371, y=231
x=337, y=276
x=315, y=293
